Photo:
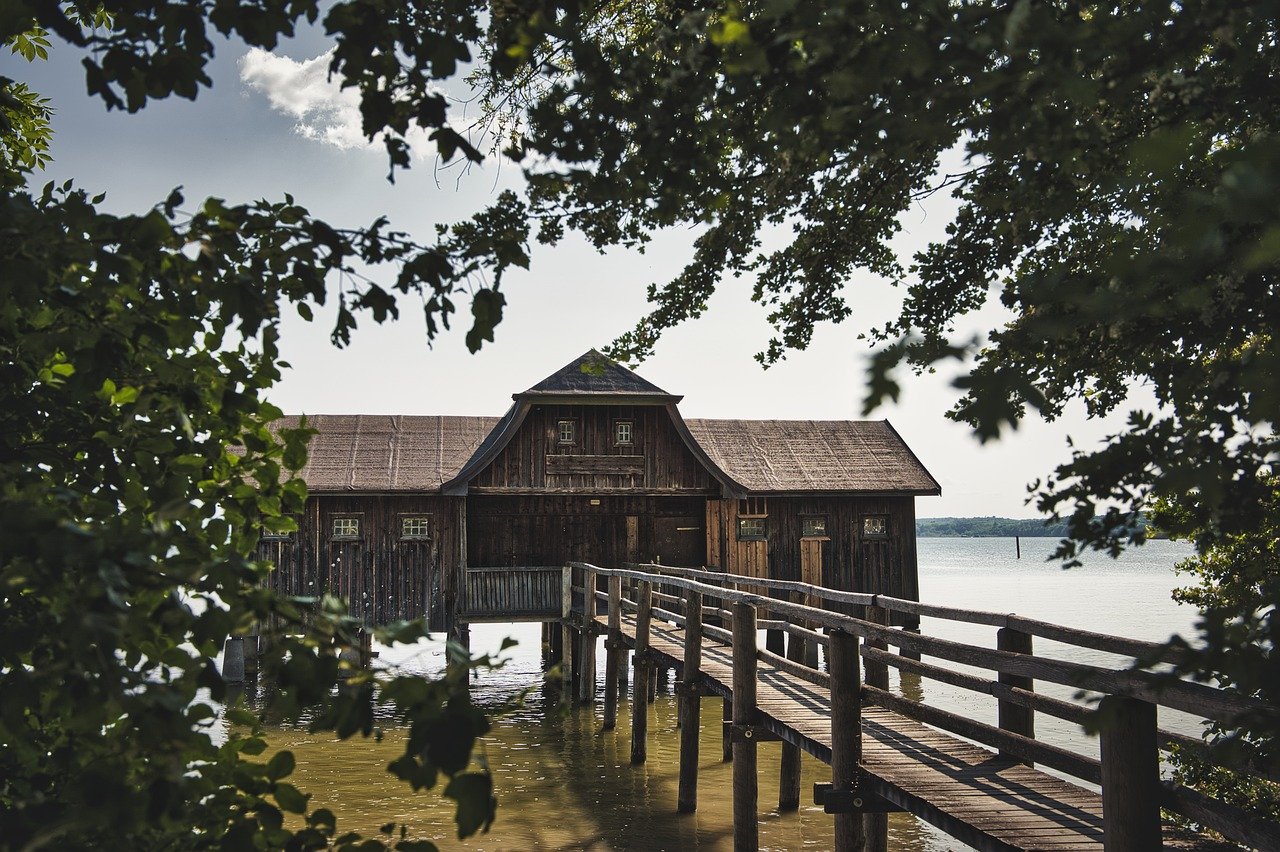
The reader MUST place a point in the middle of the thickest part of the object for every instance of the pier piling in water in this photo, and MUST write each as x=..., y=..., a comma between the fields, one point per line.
x=690, y=706
x=639, y=697
x=746, y=828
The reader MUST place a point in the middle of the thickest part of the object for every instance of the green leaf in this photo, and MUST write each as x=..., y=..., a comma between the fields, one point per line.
x=289, y=798
x=280, y=766
x=473, y=791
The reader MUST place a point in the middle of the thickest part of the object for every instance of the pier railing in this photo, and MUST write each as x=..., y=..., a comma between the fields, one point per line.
x=1120, y=703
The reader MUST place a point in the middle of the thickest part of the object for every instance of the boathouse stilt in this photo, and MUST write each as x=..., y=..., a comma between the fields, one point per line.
x=690, y=705
x=613, y=650
x=727, y=735
x=639, y=698
x=233, y=660
x=587, y=657
x=746, y=793
x=846, y=735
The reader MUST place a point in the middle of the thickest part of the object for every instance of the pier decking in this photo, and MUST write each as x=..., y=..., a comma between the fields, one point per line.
x=889, y=753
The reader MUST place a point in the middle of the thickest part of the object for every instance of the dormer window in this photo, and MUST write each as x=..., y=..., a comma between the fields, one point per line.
x=566, y=431
x=623, y=433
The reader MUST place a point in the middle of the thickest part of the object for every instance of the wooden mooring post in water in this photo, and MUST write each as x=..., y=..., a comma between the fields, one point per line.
x=640, y=683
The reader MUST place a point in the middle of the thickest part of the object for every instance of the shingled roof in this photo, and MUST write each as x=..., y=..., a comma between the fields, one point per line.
x=378, y=453
x=594, y=374
x=381, y=453
x=814, y=455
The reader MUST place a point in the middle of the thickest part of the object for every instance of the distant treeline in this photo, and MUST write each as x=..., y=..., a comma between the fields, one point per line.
x=973, y=527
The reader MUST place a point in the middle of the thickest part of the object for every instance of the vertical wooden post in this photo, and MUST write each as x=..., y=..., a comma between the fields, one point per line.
x=746, y=830
x=876, y=826
x=775, y=641
x=587, y=678
x=613, y=650
x=1018, y=720
x=566, y=632
x=846, y=733
x=639, y=702
x=1130, y=775
x=789, y=773
x=233, y=660
x=690, y=705
x=727, y=737
x=651, y=694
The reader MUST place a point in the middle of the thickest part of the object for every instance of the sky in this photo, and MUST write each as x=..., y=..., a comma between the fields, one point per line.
x=271, y=124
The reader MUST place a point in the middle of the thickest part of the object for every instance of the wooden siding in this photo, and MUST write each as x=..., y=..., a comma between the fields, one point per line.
x=383, y=577
x=552, y=530
x=501, y=594
x=849, y=560
x=655, y=462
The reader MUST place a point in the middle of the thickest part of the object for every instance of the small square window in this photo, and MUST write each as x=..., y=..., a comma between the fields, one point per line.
x=566, y=431
x=622, y=432
x=875, y=526
x=814, y=526
x=346, y=527
x=751, y=528
x=415, y=527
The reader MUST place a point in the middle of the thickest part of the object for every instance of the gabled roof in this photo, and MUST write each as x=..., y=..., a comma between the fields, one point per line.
x=866, y=456
x=595, y=375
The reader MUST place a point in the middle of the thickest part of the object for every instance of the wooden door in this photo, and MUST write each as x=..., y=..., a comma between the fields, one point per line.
x=678, y=541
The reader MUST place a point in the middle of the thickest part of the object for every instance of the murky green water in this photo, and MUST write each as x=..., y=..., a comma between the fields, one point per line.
x=562, y=783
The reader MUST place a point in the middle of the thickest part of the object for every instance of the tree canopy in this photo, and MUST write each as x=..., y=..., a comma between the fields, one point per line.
x=1118, y=196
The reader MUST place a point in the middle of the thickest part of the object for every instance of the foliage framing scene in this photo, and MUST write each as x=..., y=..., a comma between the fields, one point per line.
x=1119, y=196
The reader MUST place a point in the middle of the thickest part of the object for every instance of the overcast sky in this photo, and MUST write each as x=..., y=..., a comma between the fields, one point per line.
x=272, y=124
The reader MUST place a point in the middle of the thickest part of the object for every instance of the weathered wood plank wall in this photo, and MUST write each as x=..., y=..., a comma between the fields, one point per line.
x=656, y=460
x=382, y=575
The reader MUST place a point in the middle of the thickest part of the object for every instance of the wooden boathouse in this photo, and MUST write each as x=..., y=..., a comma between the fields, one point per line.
x=408, y=515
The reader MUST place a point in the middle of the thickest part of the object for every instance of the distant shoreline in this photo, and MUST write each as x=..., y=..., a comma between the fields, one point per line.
x=989, y=527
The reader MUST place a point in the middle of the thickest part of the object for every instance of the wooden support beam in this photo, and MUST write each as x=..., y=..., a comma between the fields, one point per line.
x=1017, y=719
x=876, y=825
x=1130, y=775
x=846, y=734
x=566, y=633
x=690, y=706
x=639, y=698
x=613, y=650
x=587, y=659
x=789, y=771
x=233, y=660
x=746, y=829
x=726, y=734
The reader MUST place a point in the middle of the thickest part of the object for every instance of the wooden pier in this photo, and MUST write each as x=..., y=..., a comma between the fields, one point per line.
x=994, y=787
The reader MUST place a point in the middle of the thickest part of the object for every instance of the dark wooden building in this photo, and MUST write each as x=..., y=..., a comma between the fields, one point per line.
x=595, y=464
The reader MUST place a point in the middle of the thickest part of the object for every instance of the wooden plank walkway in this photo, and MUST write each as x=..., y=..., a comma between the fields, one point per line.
x=988, y=802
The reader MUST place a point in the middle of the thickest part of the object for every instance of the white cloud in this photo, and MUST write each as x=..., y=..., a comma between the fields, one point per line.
x=303, y=90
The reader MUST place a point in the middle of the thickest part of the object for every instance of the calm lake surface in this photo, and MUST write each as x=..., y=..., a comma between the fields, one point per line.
x=563, y=784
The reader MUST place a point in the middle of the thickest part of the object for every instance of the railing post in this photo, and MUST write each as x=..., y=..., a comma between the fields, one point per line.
x=876, y=826
x=846, y=733
x=690, y=705
x=640, y=683
x=587, y=671
x=1130, y=775
x=746, y=830
x=789, y=772
x=566, y=632
x=612, y=651
x=1018, y=720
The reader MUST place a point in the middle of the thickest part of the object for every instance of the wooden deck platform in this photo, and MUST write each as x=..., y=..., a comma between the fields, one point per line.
x=976, y=796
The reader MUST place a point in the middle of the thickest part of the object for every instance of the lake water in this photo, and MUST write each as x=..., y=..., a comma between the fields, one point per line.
x=563, y=784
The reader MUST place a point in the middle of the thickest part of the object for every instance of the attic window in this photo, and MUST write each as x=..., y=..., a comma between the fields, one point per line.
x=875, y=526
x=622, y=432
x=346, y=527
x=566, y=432
x=813, y=526
x=751, y=529
x=415, y=527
